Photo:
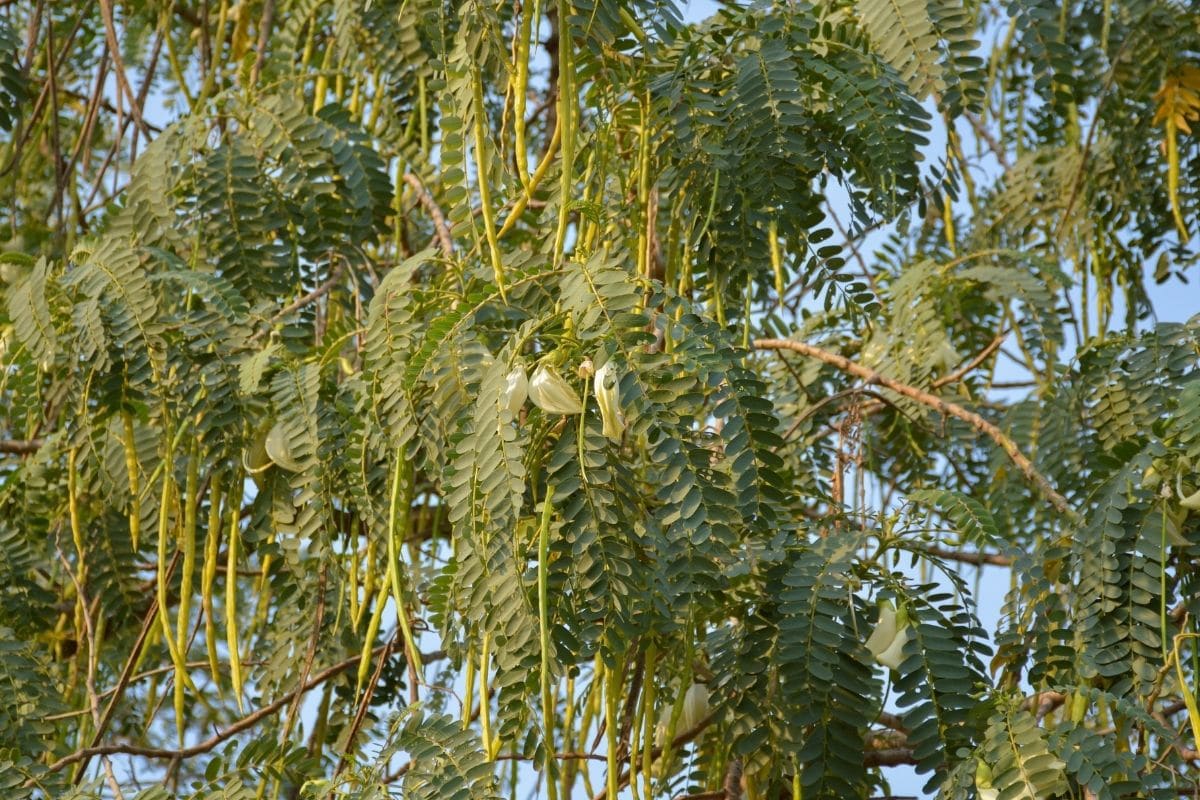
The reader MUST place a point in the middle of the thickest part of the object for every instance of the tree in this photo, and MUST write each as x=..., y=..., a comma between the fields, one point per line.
x=278, y=519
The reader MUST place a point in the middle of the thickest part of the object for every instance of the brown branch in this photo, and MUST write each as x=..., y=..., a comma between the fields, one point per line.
x=983, y=356
x=678, y=741
x=435, y=211
x=114, y=49
x=361, y=713
x=938, y=404
x=965, y=557
x=893, y=757
x=264, y=31
x=126, y=675
x=20, y=447
x=732, y=788
x=208, y=744
x=311, y=297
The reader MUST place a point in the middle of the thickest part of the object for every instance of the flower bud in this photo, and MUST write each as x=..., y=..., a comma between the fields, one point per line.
x=607, y=387
x=695, y=707
x=516, y=389
x=279, y=449
x=1192, y=501
x=586, y=369
x=983, y=782
x=552, y=394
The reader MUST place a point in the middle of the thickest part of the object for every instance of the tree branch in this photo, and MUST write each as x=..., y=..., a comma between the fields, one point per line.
x=20, y=447
x=933, y=401
x=208, y=744
x=435, y=211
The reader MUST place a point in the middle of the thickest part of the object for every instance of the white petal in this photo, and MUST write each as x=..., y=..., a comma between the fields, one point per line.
x=1191, y=502
x=516, y=389
x=552, y=394
x=695, y=707
x=885, y=631
x=894, y=654
x=607, y=389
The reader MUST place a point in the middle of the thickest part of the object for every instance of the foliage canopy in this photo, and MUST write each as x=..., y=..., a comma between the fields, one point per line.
x=275, y=522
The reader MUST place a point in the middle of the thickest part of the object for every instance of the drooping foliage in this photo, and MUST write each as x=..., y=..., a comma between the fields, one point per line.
x=465, y=399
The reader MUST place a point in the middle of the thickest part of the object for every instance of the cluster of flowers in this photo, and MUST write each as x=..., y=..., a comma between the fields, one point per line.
x=552, y=394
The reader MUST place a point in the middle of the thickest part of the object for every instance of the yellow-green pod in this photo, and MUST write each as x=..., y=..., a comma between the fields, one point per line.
x=231, y=621
x=208, y=575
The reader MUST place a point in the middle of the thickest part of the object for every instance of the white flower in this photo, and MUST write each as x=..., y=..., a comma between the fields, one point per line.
x=695, y=709
x=516, y=389
x=885, y=629
x=608, y=389
x=552, y=394
x=894, y=654
x=887, y=641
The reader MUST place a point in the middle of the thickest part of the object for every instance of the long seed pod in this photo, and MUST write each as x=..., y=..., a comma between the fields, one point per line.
x=469, y=684
x=485, y=192
x=543, y=583
x=77, y=537
x=231, y=591
x=164, y=515
x=650, y=694
x=352, y=577
x=188, y=536
x=364, y=663
x=368, y=582
x=398, y=522
x=521, y=88
x=568, y=774
x=485, y=699
x=131, y=467
x=208, y=574
x=635, y=755
x=566, y=119
x=610, y=729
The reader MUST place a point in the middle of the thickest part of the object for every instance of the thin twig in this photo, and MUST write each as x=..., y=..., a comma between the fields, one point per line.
x=90, y=675
x=981, y=357
x=264, y=31
x=292, y=308
x=123, y=681
x=114, y=48
x=208, y=744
